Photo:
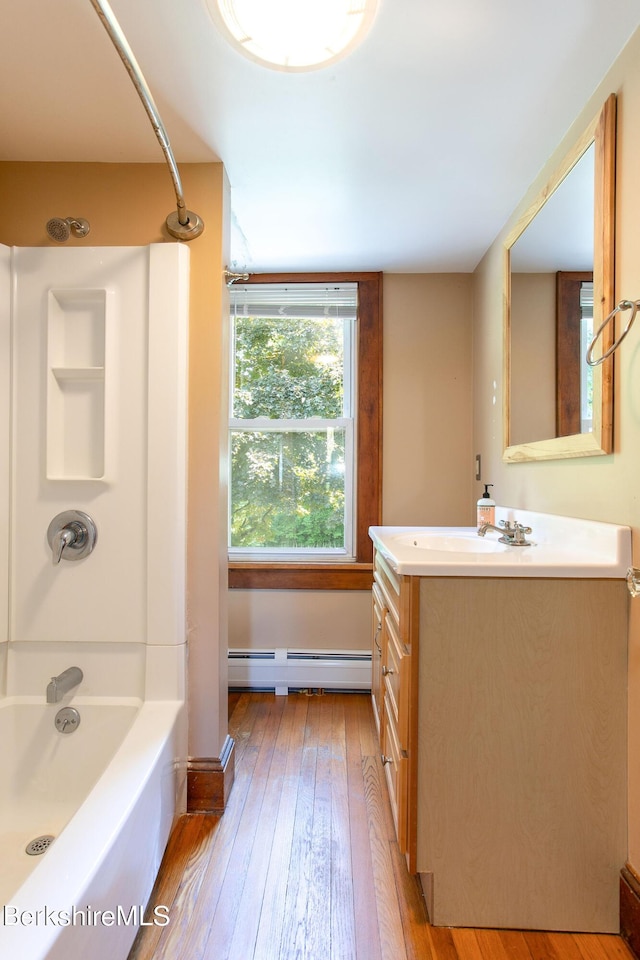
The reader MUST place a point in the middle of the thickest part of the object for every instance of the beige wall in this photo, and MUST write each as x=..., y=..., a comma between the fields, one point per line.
x=427, y=465
x=126, y=204
x=599, y=488
x=320, y=619
x=427, y=473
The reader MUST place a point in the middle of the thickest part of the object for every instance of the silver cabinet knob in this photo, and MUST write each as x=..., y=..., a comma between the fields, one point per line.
x=72, y=535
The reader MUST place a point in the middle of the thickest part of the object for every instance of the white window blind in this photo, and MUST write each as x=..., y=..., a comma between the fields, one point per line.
x=295, y=300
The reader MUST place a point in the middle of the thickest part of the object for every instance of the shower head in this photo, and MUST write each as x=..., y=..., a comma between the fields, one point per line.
x=60, y=229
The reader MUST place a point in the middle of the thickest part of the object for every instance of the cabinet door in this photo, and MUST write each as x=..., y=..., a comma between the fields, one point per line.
x=395, y=679
x=394, y=760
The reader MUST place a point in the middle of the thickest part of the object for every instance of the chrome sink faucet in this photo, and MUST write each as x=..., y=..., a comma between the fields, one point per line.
x=512, y=533
x=63, y=683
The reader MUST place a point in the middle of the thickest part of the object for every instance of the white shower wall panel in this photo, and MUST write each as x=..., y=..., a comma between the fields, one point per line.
x=81, y=342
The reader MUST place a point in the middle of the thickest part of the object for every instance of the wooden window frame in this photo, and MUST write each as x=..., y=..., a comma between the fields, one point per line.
x=568, y=358
x=357, y=575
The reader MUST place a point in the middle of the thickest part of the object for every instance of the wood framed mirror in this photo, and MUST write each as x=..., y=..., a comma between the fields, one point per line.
x=558, y=288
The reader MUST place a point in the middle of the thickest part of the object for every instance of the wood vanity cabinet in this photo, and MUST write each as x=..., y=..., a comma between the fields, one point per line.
x=395, y=605
x=501, y=705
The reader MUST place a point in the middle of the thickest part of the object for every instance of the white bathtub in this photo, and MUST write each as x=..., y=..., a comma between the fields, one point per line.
x=108, y=794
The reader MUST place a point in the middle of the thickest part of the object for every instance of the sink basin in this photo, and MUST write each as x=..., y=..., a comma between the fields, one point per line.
x=560, y=547
x=455, y=543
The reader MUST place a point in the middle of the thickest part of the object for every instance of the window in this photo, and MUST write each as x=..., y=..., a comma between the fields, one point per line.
x=292, y=421
x=304, y=430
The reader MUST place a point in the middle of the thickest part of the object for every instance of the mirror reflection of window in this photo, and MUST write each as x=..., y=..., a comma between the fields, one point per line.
x=546, y=393
x=567, y=232
x=586, y=371
x=574, y=377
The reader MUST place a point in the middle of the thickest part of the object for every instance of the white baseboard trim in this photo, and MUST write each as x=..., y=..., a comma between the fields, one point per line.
x=285, y=668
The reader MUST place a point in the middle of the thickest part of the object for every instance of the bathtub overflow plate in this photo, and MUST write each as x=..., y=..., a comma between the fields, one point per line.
x=67, y=720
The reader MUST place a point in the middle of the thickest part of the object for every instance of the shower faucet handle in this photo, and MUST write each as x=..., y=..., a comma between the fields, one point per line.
x=72, y=535
x=61, y=539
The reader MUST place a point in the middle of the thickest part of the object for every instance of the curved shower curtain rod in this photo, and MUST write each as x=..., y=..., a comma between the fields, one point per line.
x=183, y=224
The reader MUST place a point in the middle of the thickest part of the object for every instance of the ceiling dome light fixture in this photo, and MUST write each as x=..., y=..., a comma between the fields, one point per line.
x=294, y=35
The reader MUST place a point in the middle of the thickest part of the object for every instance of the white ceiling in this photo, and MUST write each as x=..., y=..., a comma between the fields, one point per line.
x=408, y=155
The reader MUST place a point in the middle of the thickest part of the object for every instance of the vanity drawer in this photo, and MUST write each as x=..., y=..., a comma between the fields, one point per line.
x=396, y=769
x=389, y=585
x=395, y=672
x=379, y=610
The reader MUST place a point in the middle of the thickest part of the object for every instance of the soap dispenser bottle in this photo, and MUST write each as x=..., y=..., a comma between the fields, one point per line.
x=486, y=512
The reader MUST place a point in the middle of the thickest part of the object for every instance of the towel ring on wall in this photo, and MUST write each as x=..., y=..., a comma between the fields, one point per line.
x=633, y=581
x=632, y=305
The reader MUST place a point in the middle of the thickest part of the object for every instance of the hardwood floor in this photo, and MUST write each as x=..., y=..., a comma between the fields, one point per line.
x=304, y=866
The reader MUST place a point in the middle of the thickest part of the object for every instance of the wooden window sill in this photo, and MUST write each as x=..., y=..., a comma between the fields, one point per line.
x=300, y=576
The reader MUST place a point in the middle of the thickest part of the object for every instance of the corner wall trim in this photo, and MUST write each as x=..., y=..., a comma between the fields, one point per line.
x=630, y=908
x=210, y=779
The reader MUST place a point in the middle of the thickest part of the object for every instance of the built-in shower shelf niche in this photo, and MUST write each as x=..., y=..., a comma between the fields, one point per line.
x=77, y=331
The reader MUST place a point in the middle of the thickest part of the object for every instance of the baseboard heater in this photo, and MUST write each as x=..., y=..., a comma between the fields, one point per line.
x=284, y=669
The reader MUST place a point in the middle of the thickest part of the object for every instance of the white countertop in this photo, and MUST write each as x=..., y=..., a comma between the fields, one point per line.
x=560, y=547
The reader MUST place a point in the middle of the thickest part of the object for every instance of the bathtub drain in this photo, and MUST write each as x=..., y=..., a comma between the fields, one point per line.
x=39, y=845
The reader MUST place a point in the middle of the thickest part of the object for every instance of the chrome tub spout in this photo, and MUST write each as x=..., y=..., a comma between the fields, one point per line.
x=63, y=683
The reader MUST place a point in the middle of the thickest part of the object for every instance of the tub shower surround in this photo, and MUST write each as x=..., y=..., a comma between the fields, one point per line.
x=93, y=359
x=99, y=370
